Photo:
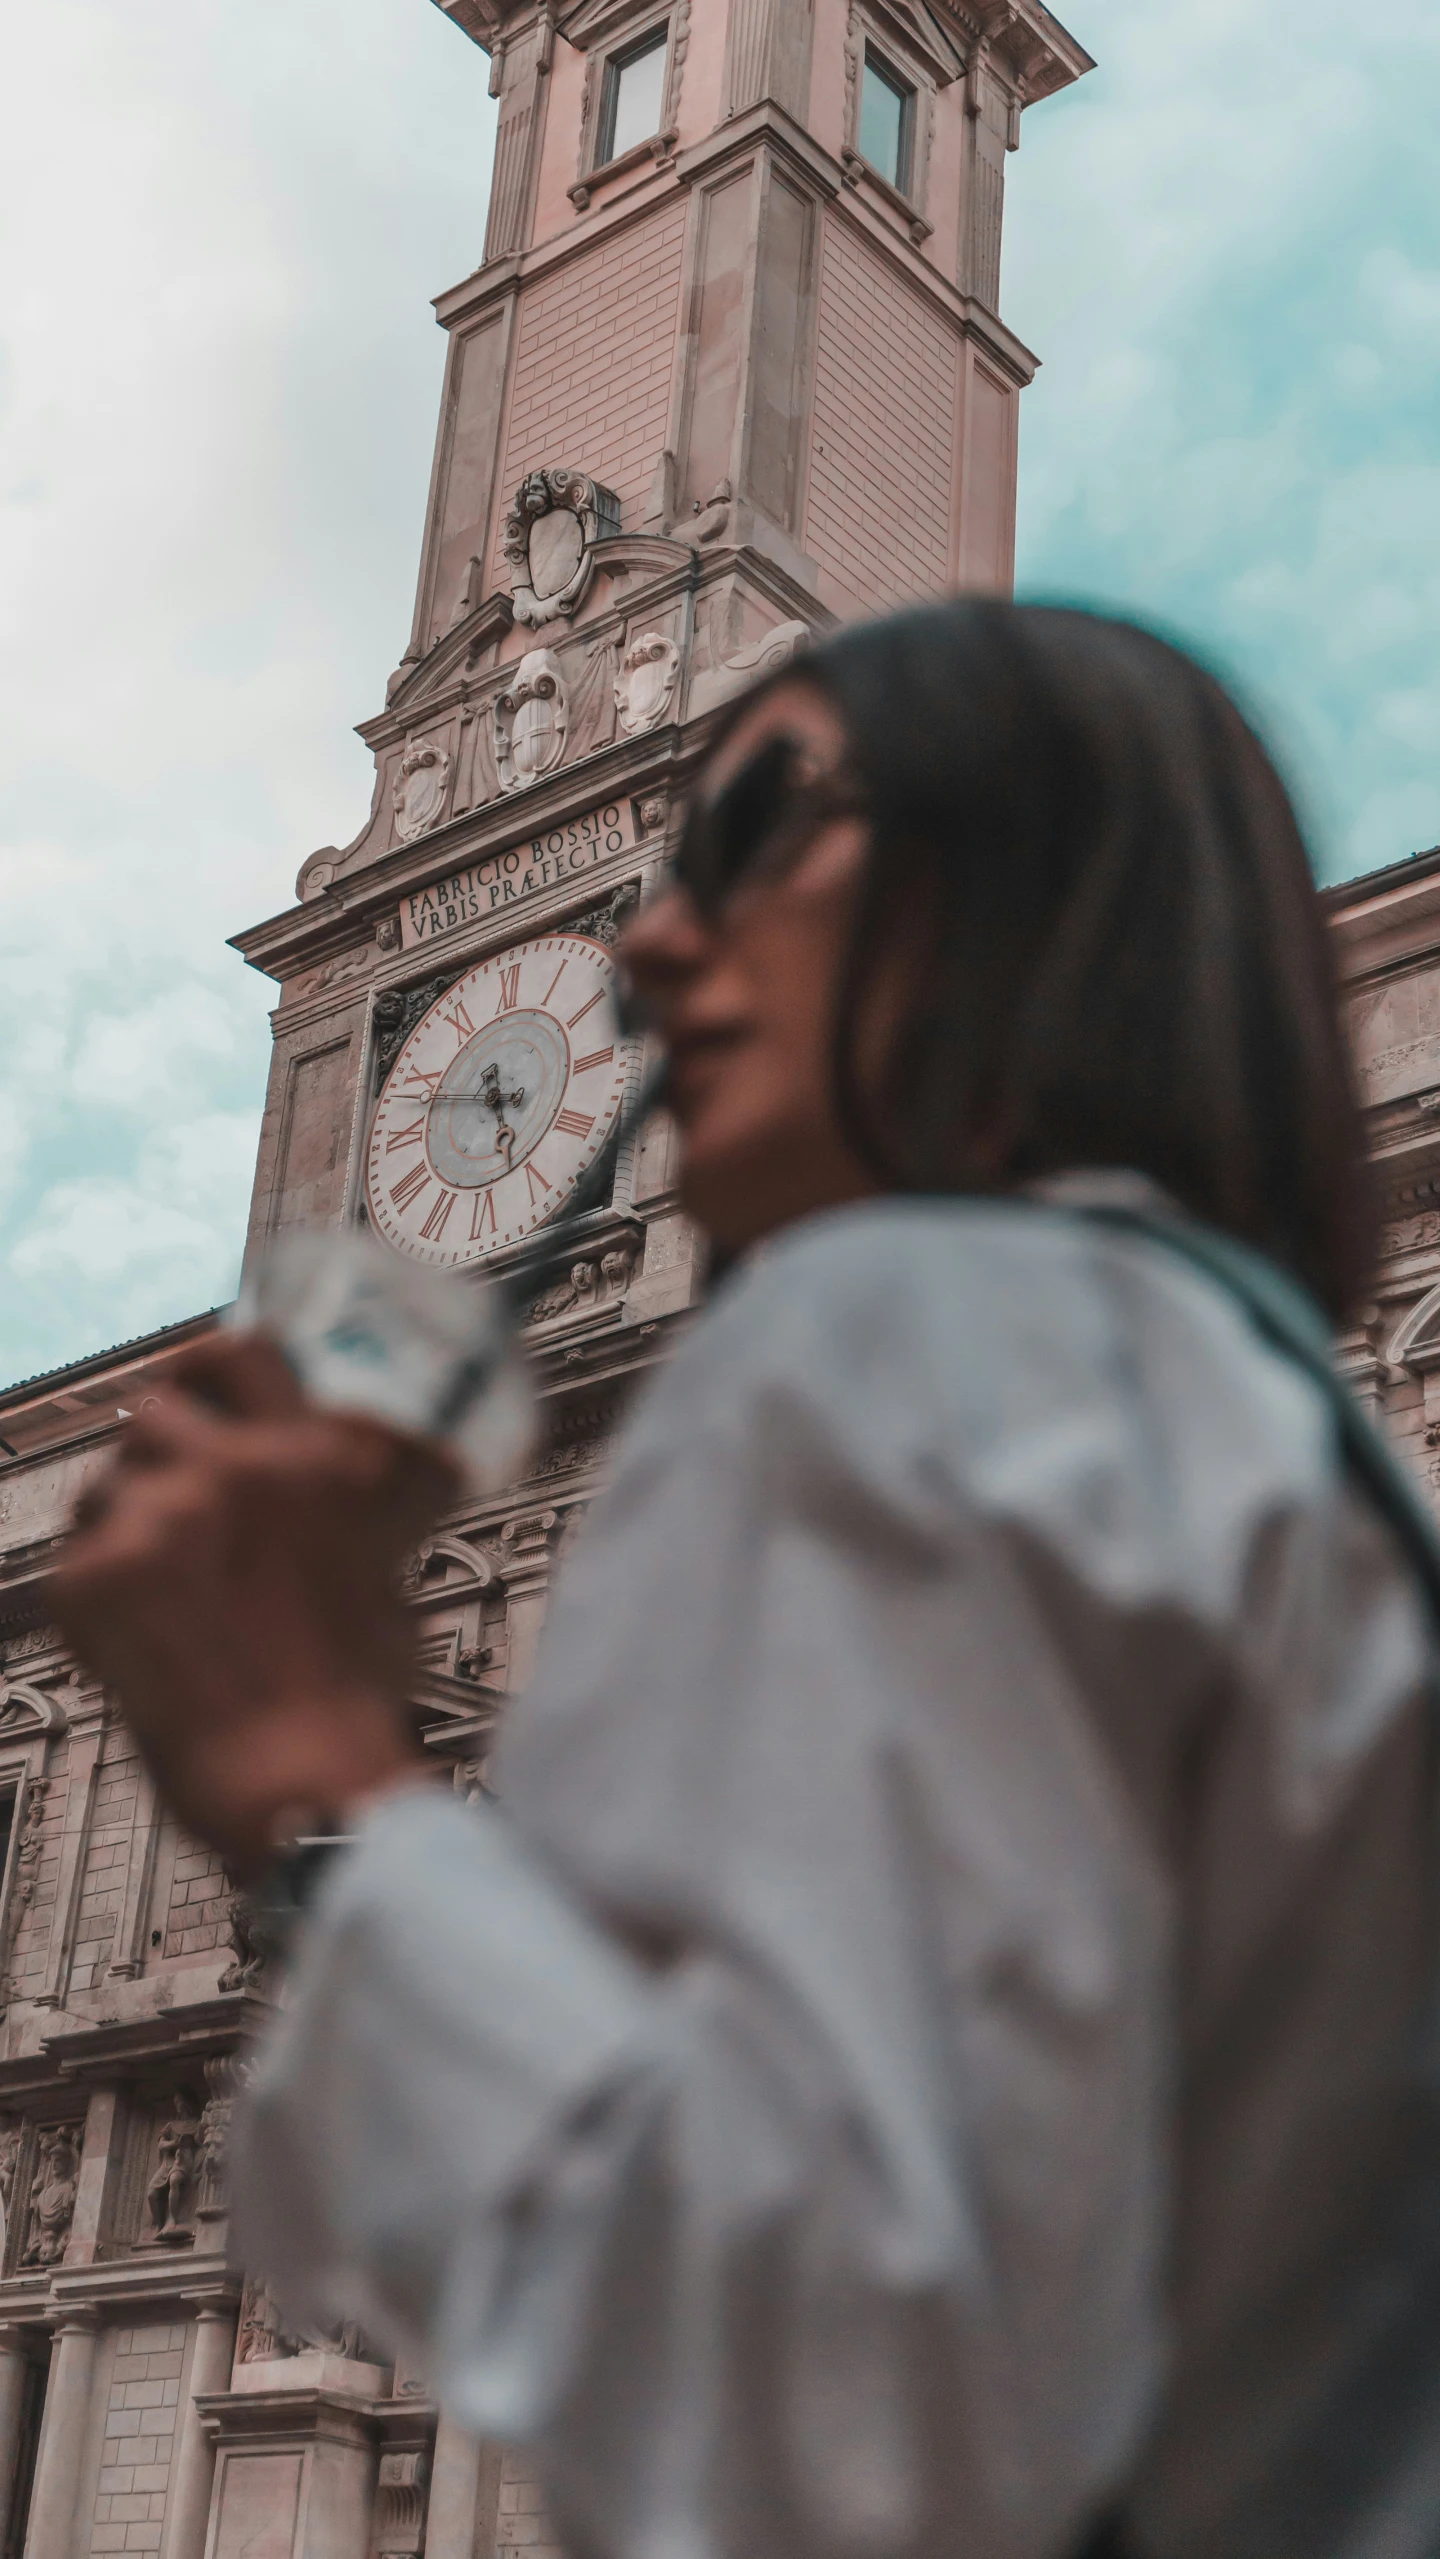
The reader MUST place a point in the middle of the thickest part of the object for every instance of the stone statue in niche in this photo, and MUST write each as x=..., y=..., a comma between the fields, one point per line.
x=421, y=782
x=532, y=720
x=167, y=2196
x=549, y=541
x=247, y=1946
x=646, y=684
x=52, y=2197
x=10, y=2143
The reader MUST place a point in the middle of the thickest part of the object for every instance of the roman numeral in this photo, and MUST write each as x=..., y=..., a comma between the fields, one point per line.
x=434, y=1226
x=531, y=1173
x=597, y=998
x=423, y=1075
x=554, y=982
x=410, y=1136
x=409, y=1183
x=482, y=1217
x=574, y=1123
x=602, y=1057
x=460, y=1023
x=509, y=988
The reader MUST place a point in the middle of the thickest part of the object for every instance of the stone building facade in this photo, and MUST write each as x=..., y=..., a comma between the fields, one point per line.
x=731, y=369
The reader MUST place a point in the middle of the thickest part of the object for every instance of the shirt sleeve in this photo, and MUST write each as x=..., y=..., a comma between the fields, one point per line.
x=833, y=2220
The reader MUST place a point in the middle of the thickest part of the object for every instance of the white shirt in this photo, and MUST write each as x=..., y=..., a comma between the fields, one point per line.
x=920, y=2043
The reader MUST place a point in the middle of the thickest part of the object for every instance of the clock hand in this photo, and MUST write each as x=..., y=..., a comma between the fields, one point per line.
x=516, y=1285
x=496, y=1100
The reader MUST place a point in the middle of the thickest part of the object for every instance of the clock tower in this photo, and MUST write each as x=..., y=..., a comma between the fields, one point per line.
x=731, y=369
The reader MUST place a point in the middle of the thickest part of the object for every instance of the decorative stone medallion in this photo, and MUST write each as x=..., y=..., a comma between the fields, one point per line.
x=646, y=683
x=532, y=717
x=550, y=537
x=420, y=786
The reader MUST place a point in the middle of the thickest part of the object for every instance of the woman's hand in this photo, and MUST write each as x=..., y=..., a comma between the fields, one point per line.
x=233, y=1580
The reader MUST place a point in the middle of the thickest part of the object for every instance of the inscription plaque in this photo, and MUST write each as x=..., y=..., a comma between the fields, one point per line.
x=504, y=879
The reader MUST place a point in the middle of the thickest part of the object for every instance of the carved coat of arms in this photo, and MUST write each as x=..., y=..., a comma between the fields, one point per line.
x=646, y=682
x=550, y=537
x=532, y=719
x=420, y=786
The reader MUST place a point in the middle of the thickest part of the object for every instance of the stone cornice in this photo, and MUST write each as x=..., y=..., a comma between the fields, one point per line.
x=1041, y=54
x=1388, y=921
x=767, y=126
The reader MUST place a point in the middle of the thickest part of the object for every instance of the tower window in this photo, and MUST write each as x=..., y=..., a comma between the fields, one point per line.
x=634, y=99
x=887, y=122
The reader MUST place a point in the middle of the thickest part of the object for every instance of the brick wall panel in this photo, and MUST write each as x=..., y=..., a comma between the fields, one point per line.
x=593, y=366
x=882, y=466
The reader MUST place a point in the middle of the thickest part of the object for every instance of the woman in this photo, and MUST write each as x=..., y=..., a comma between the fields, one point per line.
x=926, y=2058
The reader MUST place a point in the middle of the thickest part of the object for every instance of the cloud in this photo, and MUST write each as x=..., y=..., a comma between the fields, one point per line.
x=1234, y=281
x=219, y=375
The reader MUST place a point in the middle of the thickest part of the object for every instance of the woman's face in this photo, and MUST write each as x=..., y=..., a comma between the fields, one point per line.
x=745, y=1003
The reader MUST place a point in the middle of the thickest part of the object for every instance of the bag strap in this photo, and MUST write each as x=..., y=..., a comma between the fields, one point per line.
x=1288, y=1317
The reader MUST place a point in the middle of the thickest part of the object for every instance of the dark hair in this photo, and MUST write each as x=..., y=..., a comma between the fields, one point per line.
x=1094, y=879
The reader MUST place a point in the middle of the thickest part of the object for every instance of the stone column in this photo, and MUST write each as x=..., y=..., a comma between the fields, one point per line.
x=62, y=2438
x=14, y=2371
x=188, y=2513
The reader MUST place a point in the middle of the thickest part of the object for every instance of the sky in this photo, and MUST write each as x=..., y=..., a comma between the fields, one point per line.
x=220, y=229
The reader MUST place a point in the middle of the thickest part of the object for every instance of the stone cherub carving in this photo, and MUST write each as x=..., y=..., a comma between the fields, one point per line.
x=52, y=2197
x=168, y=2194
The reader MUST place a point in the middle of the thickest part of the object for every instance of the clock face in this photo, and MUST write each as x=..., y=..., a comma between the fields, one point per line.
x=497, y=1103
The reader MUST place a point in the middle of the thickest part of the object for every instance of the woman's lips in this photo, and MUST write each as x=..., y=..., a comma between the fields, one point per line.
x=693, y=1053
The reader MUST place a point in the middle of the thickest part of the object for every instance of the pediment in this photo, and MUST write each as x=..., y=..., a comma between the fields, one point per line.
x=1416, y=1341
x=26, y=1708
x=596, y=21
x=481, y=20
x=915, y=28
x=471, y=648
x=482, y=631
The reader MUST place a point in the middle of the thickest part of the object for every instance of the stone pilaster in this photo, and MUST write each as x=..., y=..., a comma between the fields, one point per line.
x=768, y=55
x=992, y=128
x=526, y=1543
x=521, y=78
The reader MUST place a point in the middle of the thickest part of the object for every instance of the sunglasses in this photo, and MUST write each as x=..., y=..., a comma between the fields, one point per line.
x=758, y=827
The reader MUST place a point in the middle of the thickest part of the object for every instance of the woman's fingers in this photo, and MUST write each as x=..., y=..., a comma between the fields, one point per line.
x=245, y=1375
